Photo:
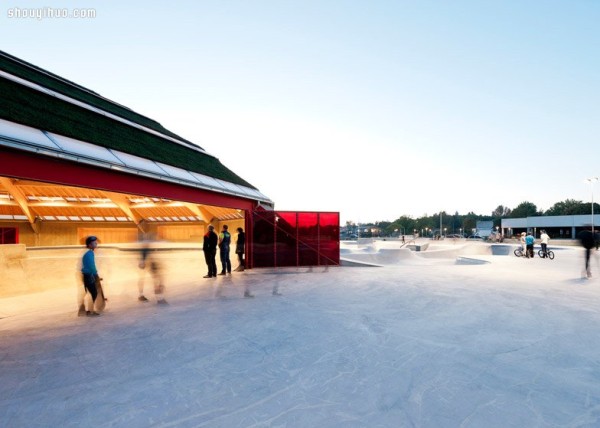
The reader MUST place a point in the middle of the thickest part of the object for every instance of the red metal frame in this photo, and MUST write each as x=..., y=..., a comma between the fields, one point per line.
x=23, y=165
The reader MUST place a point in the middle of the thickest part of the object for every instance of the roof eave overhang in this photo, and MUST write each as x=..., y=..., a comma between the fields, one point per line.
x=29, y=165
x=47, y=147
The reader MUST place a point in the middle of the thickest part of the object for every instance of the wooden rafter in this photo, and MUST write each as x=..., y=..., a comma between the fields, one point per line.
x=124, y=205
x=21, y=199
x=197, y=211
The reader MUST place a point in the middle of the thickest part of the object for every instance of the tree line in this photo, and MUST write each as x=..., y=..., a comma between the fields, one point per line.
x=464, y=223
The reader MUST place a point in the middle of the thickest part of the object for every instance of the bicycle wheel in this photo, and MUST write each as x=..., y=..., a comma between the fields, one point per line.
x=551, y=255
x=541, y=253
x=518, y=252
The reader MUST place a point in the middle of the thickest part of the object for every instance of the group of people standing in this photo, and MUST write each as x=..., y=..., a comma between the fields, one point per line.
x=527, y=242
x=212, y=241
x=148, y=262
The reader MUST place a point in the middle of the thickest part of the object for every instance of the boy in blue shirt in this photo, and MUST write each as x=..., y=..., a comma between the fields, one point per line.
x=90, y=274
x=529, y=240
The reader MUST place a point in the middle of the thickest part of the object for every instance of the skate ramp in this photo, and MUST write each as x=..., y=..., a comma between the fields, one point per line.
x=470, y=261
x=380, y=257
x=390, y=257
x=382, y=253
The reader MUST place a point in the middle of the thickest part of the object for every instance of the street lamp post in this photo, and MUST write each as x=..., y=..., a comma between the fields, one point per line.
x=592, y=180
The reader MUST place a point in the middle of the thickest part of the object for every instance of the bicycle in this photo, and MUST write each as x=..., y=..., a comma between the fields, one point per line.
x=519, y=252
x=549, y=254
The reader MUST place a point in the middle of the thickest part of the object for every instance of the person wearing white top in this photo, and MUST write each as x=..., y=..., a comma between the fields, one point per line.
x=545, y=238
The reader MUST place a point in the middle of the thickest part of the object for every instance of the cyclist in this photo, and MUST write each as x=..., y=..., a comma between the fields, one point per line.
x=545, y=238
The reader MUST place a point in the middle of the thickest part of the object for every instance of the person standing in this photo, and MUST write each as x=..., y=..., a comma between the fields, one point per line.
x=545, y=239
x=209, y=247
x=90, y=275
x=529, y=241
x=240, y=248
x=224, y=246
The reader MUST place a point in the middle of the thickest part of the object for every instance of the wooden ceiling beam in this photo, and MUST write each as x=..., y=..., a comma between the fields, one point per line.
x=21, y=200
x=124, y=205
x=197, y=211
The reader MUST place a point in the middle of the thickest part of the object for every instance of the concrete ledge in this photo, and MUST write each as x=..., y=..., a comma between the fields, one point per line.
x=12, y=251
x=354, y=263
x=470, y=261
x=417, y=247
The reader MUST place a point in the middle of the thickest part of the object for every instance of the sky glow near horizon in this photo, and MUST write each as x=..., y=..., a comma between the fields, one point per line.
x=375, y=110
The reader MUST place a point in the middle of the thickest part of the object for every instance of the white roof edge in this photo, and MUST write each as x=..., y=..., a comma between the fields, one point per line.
x=46, y=151
x=41, y=88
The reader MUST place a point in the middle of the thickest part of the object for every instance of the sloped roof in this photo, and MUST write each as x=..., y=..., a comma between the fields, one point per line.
x=39, y=99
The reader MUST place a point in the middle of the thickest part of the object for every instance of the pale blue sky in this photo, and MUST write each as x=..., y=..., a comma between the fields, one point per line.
x=372, y=108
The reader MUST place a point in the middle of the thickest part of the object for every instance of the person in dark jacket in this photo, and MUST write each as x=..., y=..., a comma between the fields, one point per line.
x=210, y=251
x=240, y=248
x=224, y=247
x=588, y=241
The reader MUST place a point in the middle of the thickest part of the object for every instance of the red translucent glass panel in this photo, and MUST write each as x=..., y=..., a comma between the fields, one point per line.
x=329, y=238
x=9, y=235
x=292, y=238
x=286, y=251
x=263, y=239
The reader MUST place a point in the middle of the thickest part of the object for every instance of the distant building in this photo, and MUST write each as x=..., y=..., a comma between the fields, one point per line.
x=559, y=226
x=484, y=228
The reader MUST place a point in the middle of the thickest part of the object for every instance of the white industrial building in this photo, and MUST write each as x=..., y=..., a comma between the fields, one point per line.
x=560, y=226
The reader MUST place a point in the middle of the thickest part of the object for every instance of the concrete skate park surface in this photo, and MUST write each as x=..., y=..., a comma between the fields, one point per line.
x=508, y=343
x=386, y=253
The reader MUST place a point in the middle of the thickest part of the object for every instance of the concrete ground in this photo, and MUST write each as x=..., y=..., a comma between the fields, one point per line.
x=460, y=337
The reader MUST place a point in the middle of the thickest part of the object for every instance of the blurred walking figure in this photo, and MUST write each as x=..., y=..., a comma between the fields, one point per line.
x=588, y=241
x=240, y=249
x=545, y=239
x=90, y=276
x=150, y=262
x=523, y=244
x=209, y=247
x=224, y=243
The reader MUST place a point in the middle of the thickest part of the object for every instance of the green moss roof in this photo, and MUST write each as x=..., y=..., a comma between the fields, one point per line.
x=32, y=73
x=30, y=107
